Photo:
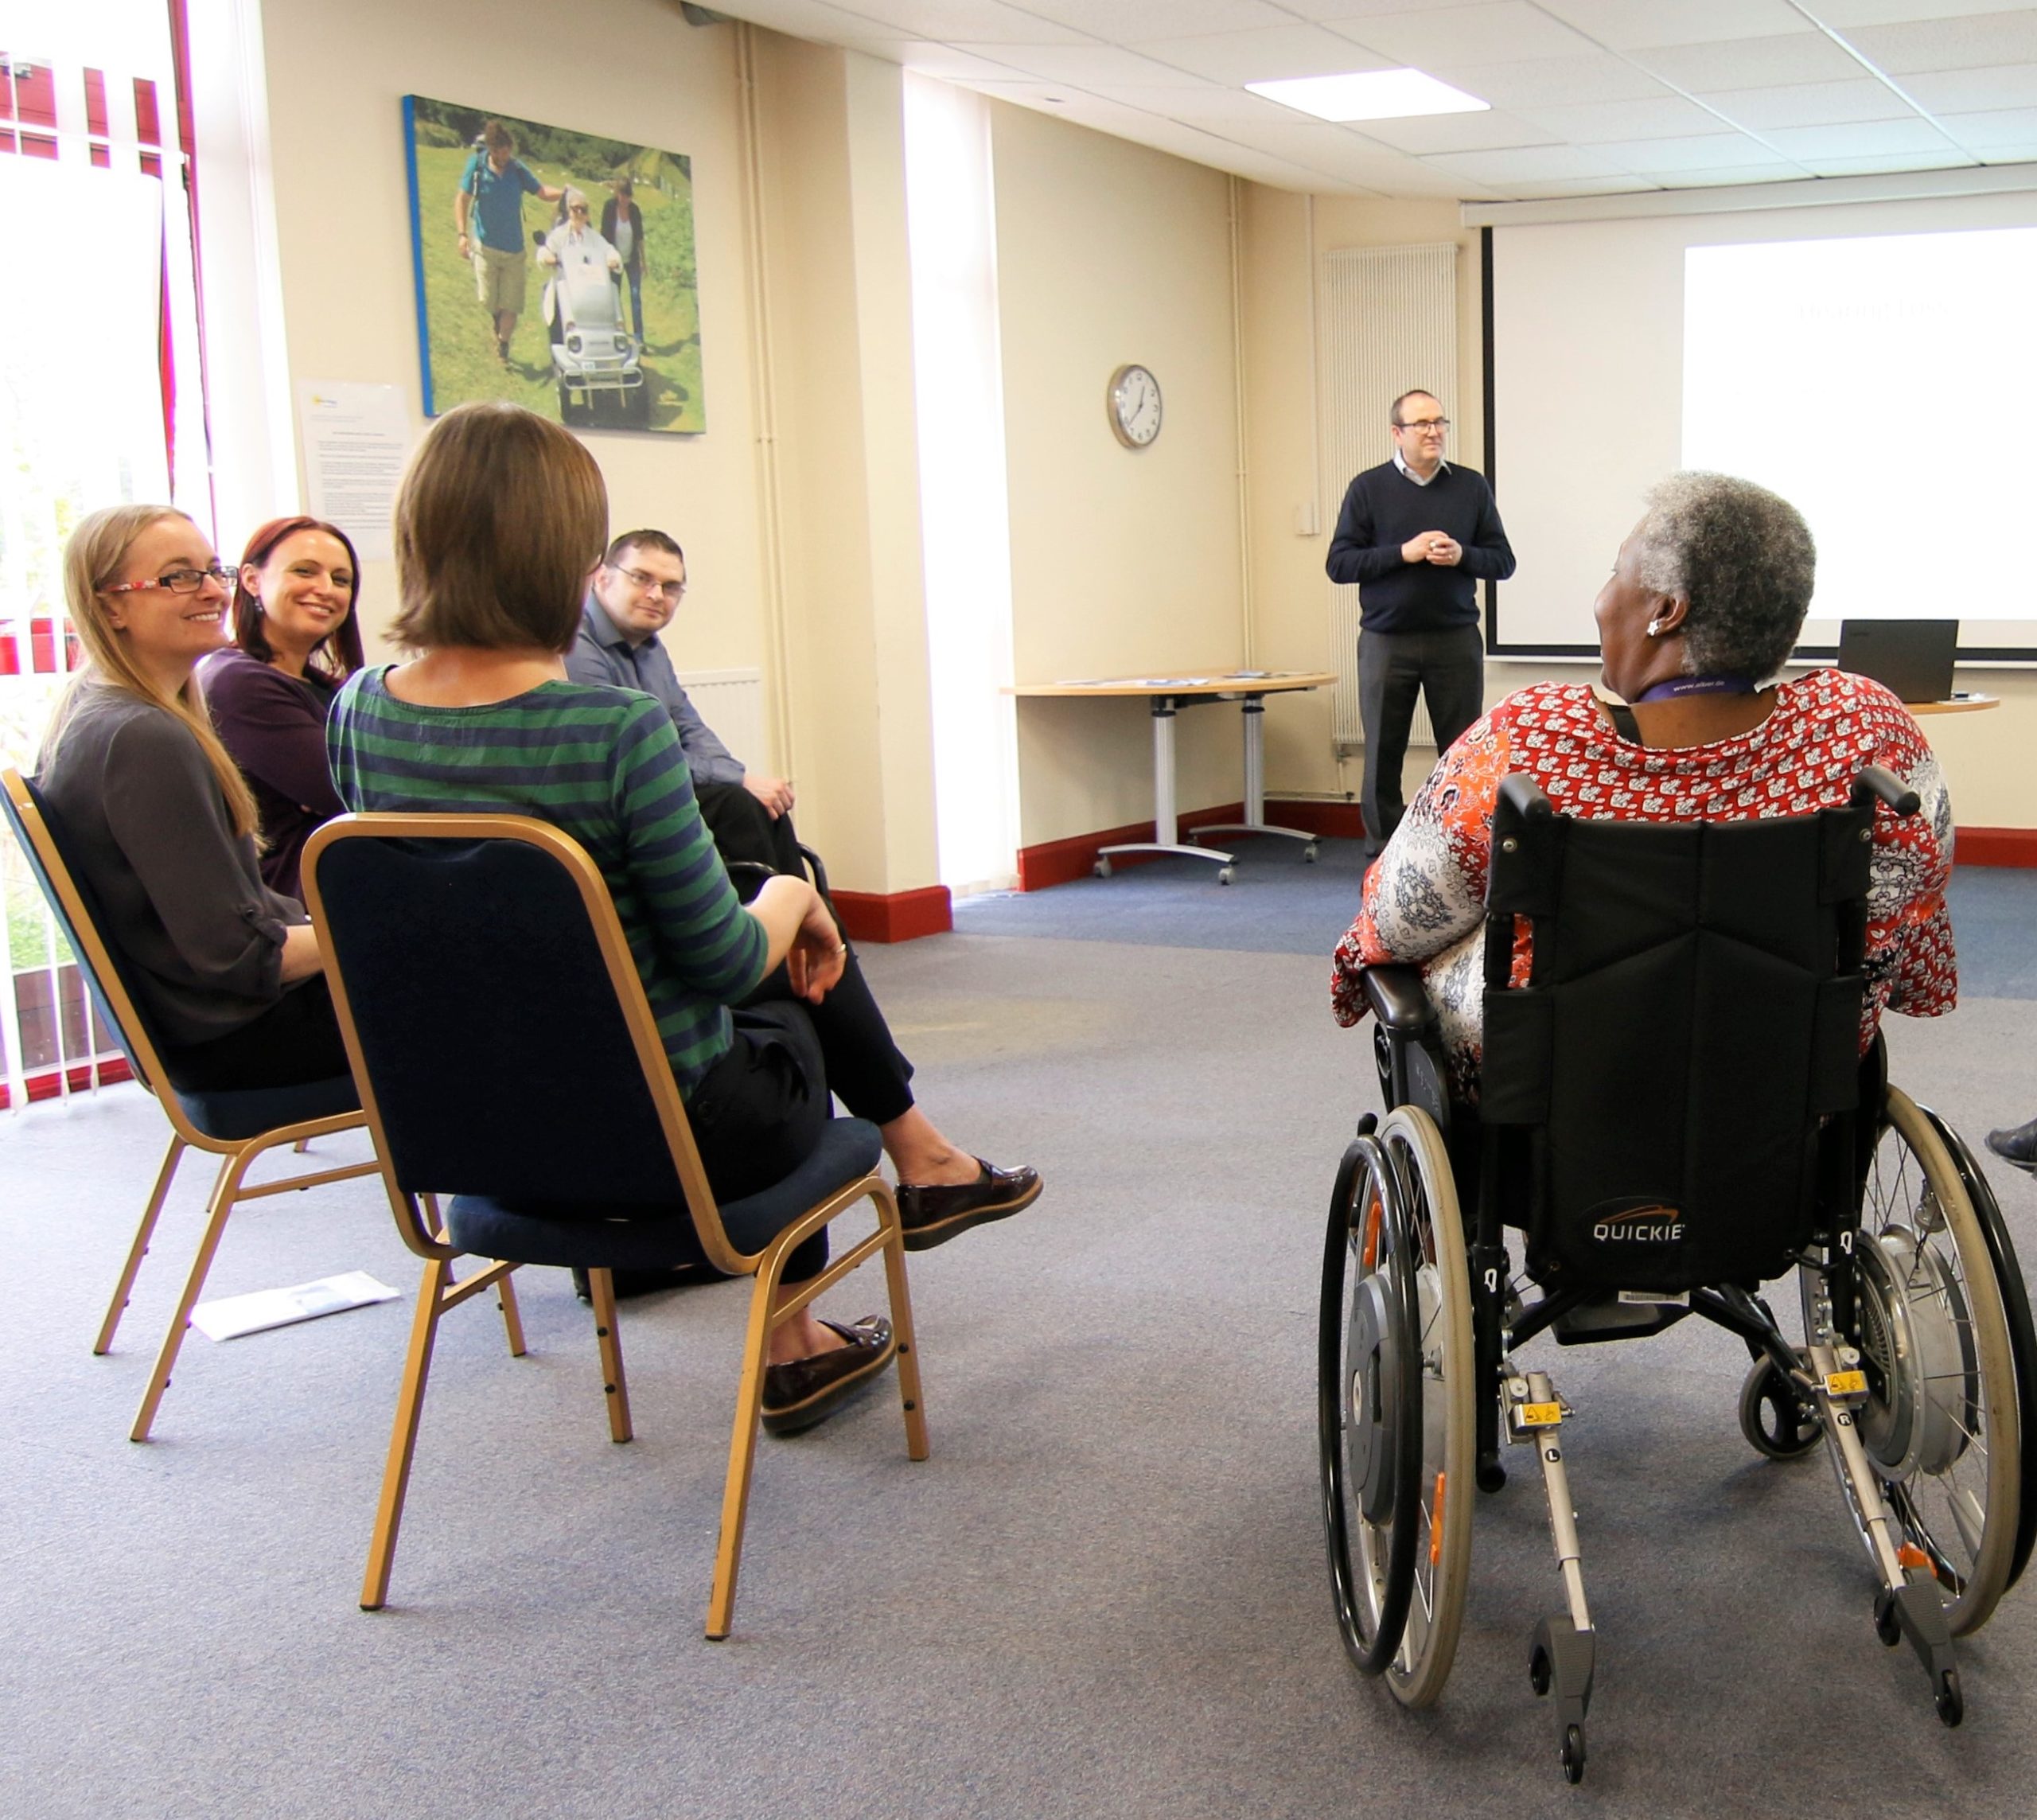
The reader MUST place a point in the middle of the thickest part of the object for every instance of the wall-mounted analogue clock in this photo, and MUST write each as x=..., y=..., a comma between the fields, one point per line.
x=1134, y=401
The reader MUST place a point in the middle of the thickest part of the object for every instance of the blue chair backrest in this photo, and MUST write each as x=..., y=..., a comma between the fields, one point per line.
x=83, y=886
x=495, y=1047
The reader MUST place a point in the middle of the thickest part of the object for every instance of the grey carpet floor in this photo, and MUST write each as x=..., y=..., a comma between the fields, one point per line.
x=1103, y=1595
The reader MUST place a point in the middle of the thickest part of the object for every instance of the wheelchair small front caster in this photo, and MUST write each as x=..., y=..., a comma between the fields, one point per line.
x=1102, y=868
x=1539, y=1673
x=1573, y=1753
x=1887, y=1626
x=1946, y=1697
x=1772, y=1417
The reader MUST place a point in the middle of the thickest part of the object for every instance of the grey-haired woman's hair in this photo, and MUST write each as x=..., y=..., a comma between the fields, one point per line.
x=1743, y=557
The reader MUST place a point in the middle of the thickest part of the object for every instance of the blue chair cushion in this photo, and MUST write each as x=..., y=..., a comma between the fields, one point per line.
x=233, y=1116
x=603, y=1236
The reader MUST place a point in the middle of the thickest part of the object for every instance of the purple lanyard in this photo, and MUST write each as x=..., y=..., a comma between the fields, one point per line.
x=1697, y=686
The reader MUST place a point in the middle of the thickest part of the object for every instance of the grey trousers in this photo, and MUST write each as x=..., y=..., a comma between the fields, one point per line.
x=1449, y=667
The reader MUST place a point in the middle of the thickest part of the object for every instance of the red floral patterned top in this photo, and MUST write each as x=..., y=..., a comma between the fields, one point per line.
x=1424, y=897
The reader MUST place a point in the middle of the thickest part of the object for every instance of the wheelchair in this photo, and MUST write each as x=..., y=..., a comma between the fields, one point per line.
x=1674, y=1112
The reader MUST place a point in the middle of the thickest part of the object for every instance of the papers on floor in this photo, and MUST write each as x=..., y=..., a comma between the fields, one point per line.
x=233, y=1316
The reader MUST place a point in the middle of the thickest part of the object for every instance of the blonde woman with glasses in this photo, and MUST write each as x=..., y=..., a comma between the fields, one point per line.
x=162, y=827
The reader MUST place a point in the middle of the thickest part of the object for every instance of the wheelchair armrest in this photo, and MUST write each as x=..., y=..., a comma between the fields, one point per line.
x=1397, y=998
x=1874, y=782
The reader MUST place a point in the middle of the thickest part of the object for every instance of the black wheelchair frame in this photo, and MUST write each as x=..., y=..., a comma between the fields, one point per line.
x=1421, y=1316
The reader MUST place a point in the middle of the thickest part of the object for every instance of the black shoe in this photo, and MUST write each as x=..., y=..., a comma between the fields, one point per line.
x=629, y=1283
x=2018, y=1147
x=805, y=1391
x=932, y=1216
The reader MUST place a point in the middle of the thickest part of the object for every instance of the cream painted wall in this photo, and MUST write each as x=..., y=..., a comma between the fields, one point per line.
x=1290, y=594
x=336, y=81
x=1123, y=562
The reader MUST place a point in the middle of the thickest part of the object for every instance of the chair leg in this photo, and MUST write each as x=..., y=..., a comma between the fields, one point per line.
x=513, y=1316
x=601, y=1287
x=403, y=1436
x=901, y=1324
x=225, y=1192
x=742, y=1452
x=139, y=1249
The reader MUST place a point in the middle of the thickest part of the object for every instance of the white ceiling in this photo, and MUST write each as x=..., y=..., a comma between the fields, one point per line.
x=1588, y=96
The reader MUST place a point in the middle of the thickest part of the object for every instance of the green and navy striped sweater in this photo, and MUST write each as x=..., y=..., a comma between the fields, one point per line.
x=604, y=765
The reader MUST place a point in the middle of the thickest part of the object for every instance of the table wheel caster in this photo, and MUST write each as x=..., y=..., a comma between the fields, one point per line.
x=1308, y=854
x=1225, y=874
x=1102, y=868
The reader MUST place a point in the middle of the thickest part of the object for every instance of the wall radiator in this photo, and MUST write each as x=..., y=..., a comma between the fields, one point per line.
x=731, y=702
x=1389, y=321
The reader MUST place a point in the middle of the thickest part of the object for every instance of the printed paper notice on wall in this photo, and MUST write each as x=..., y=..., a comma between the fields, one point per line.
x=357, y=438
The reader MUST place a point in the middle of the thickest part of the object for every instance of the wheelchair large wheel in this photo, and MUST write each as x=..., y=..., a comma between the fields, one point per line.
x=1369, y=1427
x=1942, y=1424
x=1446, y=1488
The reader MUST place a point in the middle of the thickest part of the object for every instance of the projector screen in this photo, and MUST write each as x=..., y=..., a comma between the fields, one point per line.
x=1875, y=364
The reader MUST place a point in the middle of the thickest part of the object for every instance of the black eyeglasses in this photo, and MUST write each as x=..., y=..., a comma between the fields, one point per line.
x=1438, y=424
x=178, y=581
x=650, y=585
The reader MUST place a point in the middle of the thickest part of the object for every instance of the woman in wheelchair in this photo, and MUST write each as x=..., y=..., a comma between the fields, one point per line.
x=1701, y=610
x=501, y=519
x=1628, y=950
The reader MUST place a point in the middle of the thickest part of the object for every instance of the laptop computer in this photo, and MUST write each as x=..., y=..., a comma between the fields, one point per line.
x=1912, y=656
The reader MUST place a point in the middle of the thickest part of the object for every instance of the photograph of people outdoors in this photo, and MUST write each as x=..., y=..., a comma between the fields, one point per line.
x=555, y=269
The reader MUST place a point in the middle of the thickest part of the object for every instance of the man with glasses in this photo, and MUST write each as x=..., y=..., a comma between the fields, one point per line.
x=1417, y=534
x=636, y=590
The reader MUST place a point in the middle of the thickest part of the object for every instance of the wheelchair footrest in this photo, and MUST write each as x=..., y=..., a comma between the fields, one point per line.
x=1561, y=1662
x=1915, y=1611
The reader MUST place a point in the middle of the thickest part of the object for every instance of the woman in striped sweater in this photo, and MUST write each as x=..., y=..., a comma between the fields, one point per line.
x=501, y=518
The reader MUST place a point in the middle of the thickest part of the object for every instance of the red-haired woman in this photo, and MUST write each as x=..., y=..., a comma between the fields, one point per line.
x=295, y=640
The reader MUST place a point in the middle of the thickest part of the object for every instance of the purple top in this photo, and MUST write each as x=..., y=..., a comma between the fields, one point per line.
x=274, y=726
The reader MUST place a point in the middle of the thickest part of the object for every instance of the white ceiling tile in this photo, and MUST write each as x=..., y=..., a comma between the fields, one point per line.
x=1780, y=171
x=1578, y=186
x=1703, y=151
x=1207, y=103
x=1533, y=164
x=1750, y=63
x=811, y=19
x=1874, y=166
x=1993, y=130
x=1969, y=42
x=1811, y=104
x=2000, y=155
x=1320, y=145
x=1866, y=138
x=1267, y=56
x=1508, y=31
x=943, y=60
x=1632, y=24
x=975, y=21
x=1085, y=64
x=1551, y=82
x=1668, y=118
x=1123, y=21
x=1323, y=9
x=1456, y=132
x=1843, y=14
x=1972, y=91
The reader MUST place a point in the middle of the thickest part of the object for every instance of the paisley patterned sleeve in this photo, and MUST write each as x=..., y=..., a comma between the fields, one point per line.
x=1426, y=890
x=1911, y=966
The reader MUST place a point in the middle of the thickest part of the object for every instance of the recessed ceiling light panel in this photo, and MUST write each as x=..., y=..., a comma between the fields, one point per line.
x=1370, y=95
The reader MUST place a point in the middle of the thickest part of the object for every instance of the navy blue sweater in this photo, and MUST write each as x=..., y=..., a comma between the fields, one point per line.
x=1382, y=510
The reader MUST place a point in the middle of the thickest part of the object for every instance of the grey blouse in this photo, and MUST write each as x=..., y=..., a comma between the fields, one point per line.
x=145, y=821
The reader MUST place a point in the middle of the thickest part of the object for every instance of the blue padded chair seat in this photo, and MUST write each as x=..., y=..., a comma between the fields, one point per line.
x=247, y=1112
x=599, y=1236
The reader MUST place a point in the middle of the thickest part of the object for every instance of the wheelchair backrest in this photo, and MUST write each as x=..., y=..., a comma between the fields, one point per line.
x=1690, y=1025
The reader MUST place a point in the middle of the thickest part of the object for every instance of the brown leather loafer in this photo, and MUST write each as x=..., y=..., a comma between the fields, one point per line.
x=805, y=1391
x=932, y=1216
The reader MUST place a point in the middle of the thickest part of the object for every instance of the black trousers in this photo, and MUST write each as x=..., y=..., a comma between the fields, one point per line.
x=1394, y=667
x=743, y=829
x=295, y=1041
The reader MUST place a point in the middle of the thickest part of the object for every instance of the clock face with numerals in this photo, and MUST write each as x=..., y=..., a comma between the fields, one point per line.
x=1134, y=398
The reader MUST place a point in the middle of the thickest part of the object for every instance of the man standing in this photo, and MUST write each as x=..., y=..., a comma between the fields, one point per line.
x=488, y=211
x=1417, y=534
x=636, y=590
